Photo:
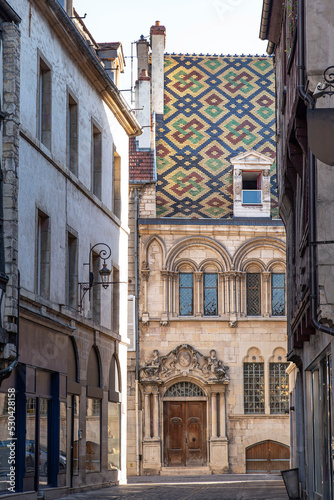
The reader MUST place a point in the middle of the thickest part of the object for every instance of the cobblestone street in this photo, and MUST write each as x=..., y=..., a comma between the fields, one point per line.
x=216, y=487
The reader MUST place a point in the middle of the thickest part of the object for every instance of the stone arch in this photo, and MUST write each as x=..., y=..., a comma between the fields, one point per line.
x=180, y=378
x=276, y=265
x=278, y=355
x=115, y=383
x=211, y=262
x=265, y=435
x=72, y=361
x=192, y=241
x=253, y=244
x=160, y=243
x=94, y=373
x=253, y=356
x=249, y=265
x=185, y=262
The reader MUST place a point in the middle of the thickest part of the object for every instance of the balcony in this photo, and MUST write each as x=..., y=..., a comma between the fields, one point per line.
x=252, y=197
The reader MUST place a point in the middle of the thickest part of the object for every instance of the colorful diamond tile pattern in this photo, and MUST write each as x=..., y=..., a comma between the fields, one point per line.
x=216, y=107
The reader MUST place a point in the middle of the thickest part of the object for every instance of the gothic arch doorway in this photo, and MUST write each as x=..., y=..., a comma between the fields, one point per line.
x=185, y=425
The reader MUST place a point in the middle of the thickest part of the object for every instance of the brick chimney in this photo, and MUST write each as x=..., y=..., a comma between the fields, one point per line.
x=157, y=71
x=142, y=55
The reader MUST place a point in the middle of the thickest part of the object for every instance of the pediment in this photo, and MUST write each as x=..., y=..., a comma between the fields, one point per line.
x=252, y=157
x=184, y=360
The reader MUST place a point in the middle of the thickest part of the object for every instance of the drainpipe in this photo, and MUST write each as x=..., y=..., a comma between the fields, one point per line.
x=137, y=334
x=312, y=185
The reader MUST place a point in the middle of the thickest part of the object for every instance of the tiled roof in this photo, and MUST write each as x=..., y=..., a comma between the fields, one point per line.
x=216, y=107
x=140, y=163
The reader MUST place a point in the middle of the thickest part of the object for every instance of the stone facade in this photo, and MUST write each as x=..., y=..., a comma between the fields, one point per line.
x=66, y=139
x=305, y=158
x=190, y=357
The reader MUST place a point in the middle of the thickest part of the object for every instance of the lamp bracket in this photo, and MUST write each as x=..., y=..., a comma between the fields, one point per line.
x=326, y=87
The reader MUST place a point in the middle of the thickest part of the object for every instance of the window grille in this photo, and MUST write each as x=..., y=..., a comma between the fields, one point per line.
x=184, y=390
x=253, y=283
x=279, y=387
x=210, y=294
x=278, y=294
x=254, y=387
x=186, y=294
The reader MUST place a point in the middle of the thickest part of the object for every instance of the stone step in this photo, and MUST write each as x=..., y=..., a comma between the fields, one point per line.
x=186, y=471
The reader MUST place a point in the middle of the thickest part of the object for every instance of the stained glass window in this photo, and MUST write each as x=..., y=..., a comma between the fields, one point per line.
x=210, y=294
x=278, y=294
x=186, y=294
x=279, y=387
x=253, y=281
x=254, y=387
x=184, y=390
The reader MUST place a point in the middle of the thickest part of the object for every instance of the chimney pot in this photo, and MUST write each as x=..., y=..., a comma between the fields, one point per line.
x=157, y=23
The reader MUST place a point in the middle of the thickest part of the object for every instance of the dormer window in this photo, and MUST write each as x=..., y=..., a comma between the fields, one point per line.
x=251, y=184
x=251, y=188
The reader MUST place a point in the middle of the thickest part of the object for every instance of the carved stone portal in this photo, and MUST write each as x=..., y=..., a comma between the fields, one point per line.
x=184, y=360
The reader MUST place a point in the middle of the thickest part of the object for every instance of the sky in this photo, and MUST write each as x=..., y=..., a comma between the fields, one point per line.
x=192, y=26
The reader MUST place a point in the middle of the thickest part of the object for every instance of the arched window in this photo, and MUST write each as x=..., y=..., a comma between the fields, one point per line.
x=184, y=390
x=253, y=287
x=210, y=294
x=254, y=382
x=186, y=293
x=278, y=294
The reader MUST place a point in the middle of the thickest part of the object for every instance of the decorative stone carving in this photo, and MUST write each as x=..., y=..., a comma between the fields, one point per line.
x=184, y=360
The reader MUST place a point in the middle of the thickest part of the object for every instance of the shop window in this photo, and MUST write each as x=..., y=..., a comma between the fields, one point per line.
x=278, y=294
x=5, y=439
x=114, y=416
x=186, y=292
x=43, y=442
x=62, y=437
x=75, y=416
x=278, y=387
x=253, y=285
x=93, y=435
x=210, y=293
x=254, y=388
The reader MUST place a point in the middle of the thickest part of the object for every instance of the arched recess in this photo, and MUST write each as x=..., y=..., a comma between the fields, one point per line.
x=253, y=244
x=94, y=379
x=267, y=457
x=150, y=241
x=210, y=266
x=253, y=266
x=73, y=386
x=253, y=356
x=278, y=355
x=186, y=265
x=276, y=266
x=114, y=414
x=204, y=241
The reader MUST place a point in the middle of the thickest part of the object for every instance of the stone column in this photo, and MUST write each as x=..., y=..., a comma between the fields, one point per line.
x=145, y=274
x=222, y=420
x=197, y=290
x=175, y=280
x=227, y=292
x=232, y=292
x=221, y=294
x=266, y=285
x=164, y=275
x=155, y=415
x=170, y=288
x=147, y=416
x=243, y=310
x=214, y=414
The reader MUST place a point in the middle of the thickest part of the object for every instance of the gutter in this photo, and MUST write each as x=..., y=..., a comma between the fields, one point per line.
x=10, y=14
x=309, y=101
x=117, y=103
x=265, y=17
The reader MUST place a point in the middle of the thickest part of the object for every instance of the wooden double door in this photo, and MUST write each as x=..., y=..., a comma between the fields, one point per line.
x=266, y=457
x=184, y=433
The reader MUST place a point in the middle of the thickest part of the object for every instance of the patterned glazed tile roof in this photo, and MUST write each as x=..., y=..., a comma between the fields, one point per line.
x=140, y=163
x=216, y=107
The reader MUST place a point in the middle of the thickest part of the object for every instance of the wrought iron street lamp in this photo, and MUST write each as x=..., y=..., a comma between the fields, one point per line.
x=104, y=272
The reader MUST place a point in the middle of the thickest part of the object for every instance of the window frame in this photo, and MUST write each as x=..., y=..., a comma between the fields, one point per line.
x=251, y=391
x=248, y=306
x=181, y=273
x=210, y=288
x=278, y=288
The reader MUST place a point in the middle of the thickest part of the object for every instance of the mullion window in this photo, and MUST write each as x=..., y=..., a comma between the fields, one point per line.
x=279, y=387
x=278, y=294
x=210, y=294
x=254, y=387
x=186, y=293
x=253, y=283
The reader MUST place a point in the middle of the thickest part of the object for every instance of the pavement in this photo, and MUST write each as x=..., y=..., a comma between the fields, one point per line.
x=214, y=487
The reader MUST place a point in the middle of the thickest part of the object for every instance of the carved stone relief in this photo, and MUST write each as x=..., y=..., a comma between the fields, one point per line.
x=184, y=360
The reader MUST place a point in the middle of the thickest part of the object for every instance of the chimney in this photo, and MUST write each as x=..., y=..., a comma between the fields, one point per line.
x=143, y=113
x=142, y=55
x=157, y=69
